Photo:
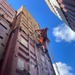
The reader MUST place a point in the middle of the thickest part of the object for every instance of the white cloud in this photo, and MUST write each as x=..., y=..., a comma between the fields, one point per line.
x=63, y=32
x=64, y=69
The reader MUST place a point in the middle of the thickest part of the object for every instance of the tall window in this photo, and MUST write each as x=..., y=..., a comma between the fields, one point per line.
x=24, y=42
x=20, y=64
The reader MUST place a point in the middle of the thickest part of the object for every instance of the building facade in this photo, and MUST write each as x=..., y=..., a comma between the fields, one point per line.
x=64, y=10
x=21, y=55
x=7, y=17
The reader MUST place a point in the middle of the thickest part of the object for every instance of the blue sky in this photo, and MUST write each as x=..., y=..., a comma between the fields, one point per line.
x=62, y=38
